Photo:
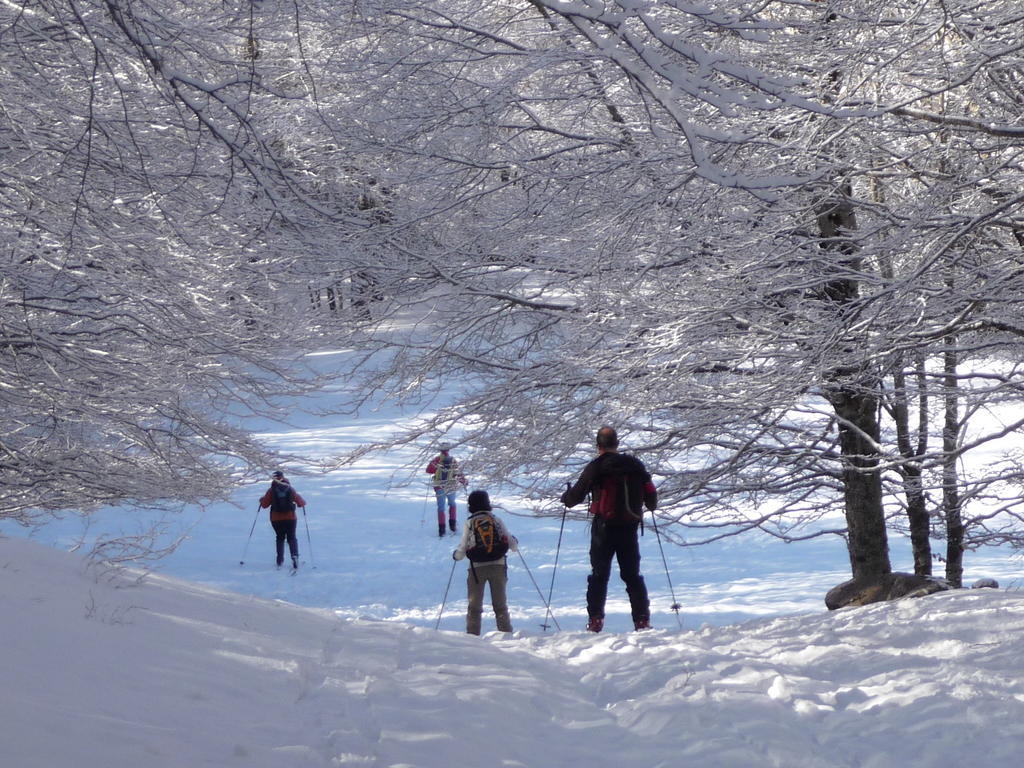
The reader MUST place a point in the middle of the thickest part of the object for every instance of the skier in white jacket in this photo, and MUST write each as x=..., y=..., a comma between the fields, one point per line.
x=485, y=540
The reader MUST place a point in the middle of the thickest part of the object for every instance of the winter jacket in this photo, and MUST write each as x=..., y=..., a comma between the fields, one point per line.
x=467, y=537
x=454, y=476
x=618, y=471
x=268, y=498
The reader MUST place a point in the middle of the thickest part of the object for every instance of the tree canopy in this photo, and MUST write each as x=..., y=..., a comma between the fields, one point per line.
x=777, y=245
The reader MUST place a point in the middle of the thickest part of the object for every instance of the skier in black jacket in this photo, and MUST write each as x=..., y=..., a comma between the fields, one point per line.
x=620, y=487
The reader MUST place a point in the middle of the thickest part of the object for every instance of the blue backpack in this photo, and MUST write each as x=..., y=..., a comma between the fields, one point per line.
x=282, y=498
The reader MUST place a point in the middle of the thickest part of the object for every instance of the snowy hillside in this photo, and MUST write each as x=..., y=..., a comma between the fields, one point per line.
x=101, y=670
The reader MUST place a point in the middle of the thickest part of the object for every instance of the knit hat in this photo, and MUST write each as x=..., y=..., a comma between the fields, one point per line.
x=444, y=446
x=278, y=474
x=478, y=501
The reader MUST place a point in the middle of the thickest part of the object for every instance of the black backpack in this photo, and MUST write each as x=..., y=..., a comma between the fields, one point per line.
x=282, y=498
x=487, y=545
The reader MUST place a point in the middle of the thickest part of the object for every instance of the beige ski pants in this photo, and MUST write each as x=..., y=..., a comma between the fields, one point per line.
x=479, y=576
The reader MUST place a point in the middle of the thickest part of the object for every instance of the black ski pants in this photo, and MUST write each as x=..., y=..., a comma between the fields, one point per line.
x=285, y=529
x=622, y=543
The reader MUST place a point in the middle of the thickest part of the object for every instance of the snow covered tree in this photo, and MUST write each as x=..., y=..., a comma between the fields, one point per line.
x=643, y=214
x=759, y=240
x=153, y=288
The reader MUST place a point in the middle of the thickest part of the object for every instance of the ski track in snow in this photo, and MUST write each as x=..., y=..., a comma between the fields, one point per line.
x=103, y=670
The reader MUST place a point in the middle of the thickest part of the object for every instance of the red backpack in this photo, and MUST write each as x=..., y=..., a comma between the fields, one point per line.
x=615, y=497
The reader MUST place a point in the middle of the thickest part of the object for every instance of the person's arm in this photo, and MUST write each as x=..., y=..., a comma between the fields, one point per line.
x=460, y=550
x=299, y=501
x=265, y=500
x=576, y=493
x=650, y=494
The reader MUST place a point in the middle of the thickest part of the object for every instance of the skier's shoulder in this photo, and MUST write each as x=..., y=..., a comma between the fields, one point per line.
x=621, y=464
x=615, y=462
x=599, y=465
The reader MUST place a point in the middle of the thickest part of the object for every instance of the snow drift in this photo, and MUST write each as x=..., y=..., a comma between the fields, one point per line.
x=104, y=668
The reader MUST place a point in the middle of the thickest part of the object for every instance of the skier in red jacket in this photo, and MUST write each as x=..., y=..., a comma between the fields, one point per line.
x=447, y=479
x=282, y=500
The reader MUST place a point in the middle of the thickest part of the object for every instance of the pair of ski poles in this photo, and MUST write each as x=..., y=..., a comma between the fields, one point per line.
x=309, y=543
x=558, y=548
x=547, y=603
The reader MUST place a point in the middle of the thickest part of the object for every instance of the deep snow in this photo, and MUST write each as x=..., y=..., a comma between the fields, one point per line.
x=102, y=669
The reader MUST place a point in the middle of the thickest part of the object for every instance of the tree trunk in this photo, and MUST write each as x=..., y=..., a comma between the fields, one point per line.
x=910, y=469
x=862, y=482
x=855, y=398
x=950, y=476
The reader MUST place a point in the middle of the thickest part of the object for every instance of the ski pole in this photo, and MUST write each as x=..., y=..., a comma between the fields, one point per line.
x=309, y=544
x=246, y=548
x=675, y=604
x=547, y=604
x=445, y=598
x=554, y=570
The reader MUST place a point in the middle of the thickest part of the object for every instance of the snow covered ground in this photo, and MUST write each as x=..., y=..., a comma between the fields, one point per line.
x=102, y=669
x=370, y=548
x=373, y=552
x=341, y=665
